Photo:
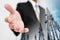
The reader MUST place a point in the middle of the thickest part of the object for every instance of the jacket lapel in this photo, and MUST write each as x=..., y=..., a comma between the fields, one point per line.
x=32, y=12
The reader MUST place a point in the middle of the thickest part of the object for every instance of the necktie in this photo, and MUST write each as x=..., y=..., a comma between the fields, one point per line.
x=37, y=15
x=37, y=11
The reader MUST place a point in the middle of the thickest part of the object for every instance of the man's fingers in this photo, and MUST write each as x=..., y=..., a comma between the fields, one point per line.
x=26, y=30
x=8, y=19
x=11, y=26
x=9, y=8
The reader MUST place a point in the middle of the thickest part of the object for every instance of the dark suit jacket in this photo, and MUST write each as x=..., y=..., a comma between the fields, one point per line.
x=29, y=18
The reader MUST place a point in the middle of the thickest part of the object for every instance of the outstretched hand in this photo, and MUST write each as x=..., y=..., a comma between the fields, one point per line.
x=14, y=20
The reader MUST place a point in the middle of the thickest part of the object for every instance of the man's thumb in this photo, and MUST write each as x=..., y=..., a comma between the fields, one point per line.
x=9, y=8
x=26, y=30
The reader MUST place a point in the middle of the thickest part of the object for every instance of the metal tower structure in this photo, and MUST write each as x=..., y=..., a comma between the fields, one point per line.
x=52, y=27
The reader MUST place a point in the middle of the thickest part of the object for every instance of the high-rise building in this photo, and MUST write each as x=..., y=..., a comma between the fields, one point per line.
x=52, y=27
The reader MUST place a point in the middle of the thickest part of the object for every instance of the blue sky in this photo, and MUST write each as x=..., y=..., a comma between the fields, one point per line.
x=55, y=7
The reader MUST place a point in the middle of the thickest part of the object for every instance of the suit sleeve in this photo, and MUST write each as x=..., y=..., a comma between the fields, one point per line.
x=20, y=11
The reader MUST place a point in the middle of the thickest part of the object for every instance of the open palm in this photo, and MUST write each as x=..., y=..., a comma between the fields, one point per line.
x=14, y=20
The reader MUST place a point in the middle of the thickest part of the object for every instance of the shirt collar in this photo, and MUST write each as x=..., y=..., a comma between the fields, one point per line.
x=33, y=3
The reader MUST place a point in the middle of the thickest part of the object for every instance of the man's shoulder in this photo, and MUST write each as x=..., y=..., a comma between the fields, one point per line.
x=22, y=4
